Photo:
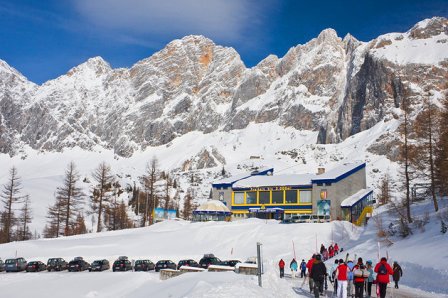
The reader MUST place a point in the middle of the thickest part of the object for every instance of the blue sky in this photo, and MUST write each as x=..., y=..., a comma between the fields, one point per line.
x=44, y=39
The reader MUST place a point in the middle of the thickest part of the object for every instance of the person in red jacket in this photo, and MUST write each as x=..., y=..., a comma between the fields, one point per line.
x=281, y=265
x=309, y=265
x=383, y=271
x=359, y=278
x=342, y=277
x=336, y=249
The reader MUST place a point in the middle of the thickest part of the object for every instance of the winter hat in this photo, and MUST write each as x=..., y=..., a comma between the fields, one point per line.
x=369, y=262
x=341, y=261
x=318, y=257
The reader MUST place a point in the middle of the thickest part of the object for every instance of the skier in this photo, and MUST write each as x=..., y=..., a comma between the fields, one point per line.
x=383, y=271
x=358, y=272
x=369, y=279
x=302, y=269
x=342, y=277
x=336, y=249
x=397, y=273
x=281, y=265
x=293, y=267
x=318, y=274
x=309, y=266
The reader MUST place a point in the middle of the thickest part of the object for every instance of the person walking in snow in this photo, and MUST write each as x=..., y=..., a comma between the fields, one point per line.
x=336, y=249
x=322, y=248
x=370, y=279
x=333, y=278
x=302, y=269
x=293, y=266
x=383, y=271
x=350, y=266
x=309, y=266
x=397, y=273
x=318, y=274
x=331, y=251
x=342, y=277
x=358, y=278
x=281, y=265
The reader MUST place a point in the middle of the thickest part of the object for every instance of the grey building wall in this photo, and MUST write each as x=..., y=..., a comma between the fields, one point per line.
x=226, y=193
x=339, y=191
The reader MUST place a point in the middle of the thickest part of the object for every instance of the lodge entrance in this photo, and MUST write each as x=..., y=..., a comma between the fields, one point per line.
x=267, y=213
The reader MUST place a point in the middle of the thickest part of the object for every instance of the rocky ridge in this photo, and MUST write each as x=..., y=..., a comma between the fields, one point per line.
x=336, y=86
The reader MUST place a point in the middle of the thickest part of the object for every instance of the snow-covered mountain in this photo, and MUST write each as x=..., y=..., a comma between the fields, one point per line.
x=337, y=87
x=196, y=107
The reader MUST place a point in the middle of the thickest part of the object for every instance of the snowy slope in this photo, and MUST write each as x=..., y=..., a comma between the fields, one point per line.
x=176, y=240
x=42, y=172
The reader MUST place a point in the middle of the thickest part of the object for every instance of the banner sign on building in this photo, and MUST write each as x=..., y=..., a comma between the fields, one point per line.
x=162, y=214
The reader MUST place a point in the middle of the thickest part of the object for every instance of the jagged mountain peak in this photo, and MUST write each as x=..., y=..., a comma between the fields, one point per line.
x=97, y=65
x=327, y=36
x=429, y=27
x=336, y=87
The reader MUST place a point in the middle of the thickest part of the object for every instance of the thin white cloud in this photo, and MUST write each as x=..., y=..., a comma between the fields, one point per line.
x=225, y=20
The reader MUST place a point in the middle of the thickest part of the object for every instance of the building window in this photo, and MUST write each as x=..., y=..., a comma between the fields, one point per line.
x=251, y=197
x=291, y=196
x=305, y=196
x=239, y=197
x=264, y=197
x=277, y=197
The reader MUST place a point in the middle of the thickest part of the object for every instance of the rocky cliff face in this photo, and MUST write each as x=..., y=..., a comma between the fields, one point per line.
x=336, y=86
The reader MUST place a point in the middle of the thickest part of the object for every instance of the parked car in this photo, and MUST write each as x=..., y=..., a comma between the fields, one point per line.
x=144, y=265
x=78, y=264
x=2, y=265
x=35, y=266
x=231, y=263
x=304, y=218
x=251, y=260
x=57, y=264
x=209, y=259
x=15, y=265
x=99, y=265
x=189, y=262
x=122, y=264
x=165, y=264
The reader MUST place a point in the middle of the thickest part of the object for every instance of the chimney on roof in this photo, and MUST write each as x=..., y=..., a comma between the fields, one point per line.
x=320, y=171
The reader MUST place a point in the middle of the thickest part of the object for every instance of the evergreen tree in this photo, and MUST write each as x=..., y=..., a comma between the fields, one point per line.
x=150, y=180
x=406, y=153
x=79, y=225
x=24, y=219
x=384, y=195
x=425, y=132
x=188, y=206
x=441, y=152
x=100, y=197
x=55, y=219
x=10, y=196
x=70, y=197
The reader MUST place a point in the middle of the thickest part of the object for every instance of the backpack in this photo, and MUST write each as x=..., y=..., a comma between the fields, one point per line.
x=382, y=270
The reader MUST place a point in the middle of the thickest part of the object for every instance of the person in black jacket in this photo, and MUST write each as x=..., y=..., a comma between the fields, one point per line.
x=398, y=272
x=318, y=274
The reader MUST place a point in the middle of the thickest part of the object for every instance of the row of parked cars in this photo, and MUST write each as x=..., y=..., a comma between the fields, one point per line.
x=121, y=264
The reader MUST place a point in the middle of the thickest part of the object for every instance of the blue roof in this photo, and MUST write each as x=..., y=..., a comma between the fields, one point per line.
x=228, y=182
x=339, y=173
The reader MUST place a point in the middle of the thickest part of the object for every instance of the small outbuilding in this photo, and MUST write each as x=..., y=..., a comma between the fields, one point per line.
x=212, y=210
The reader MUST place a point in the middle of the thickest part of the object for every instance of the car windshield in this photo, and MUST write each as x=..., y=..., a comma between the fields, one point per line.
x=96, y=263
x=10, y=261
